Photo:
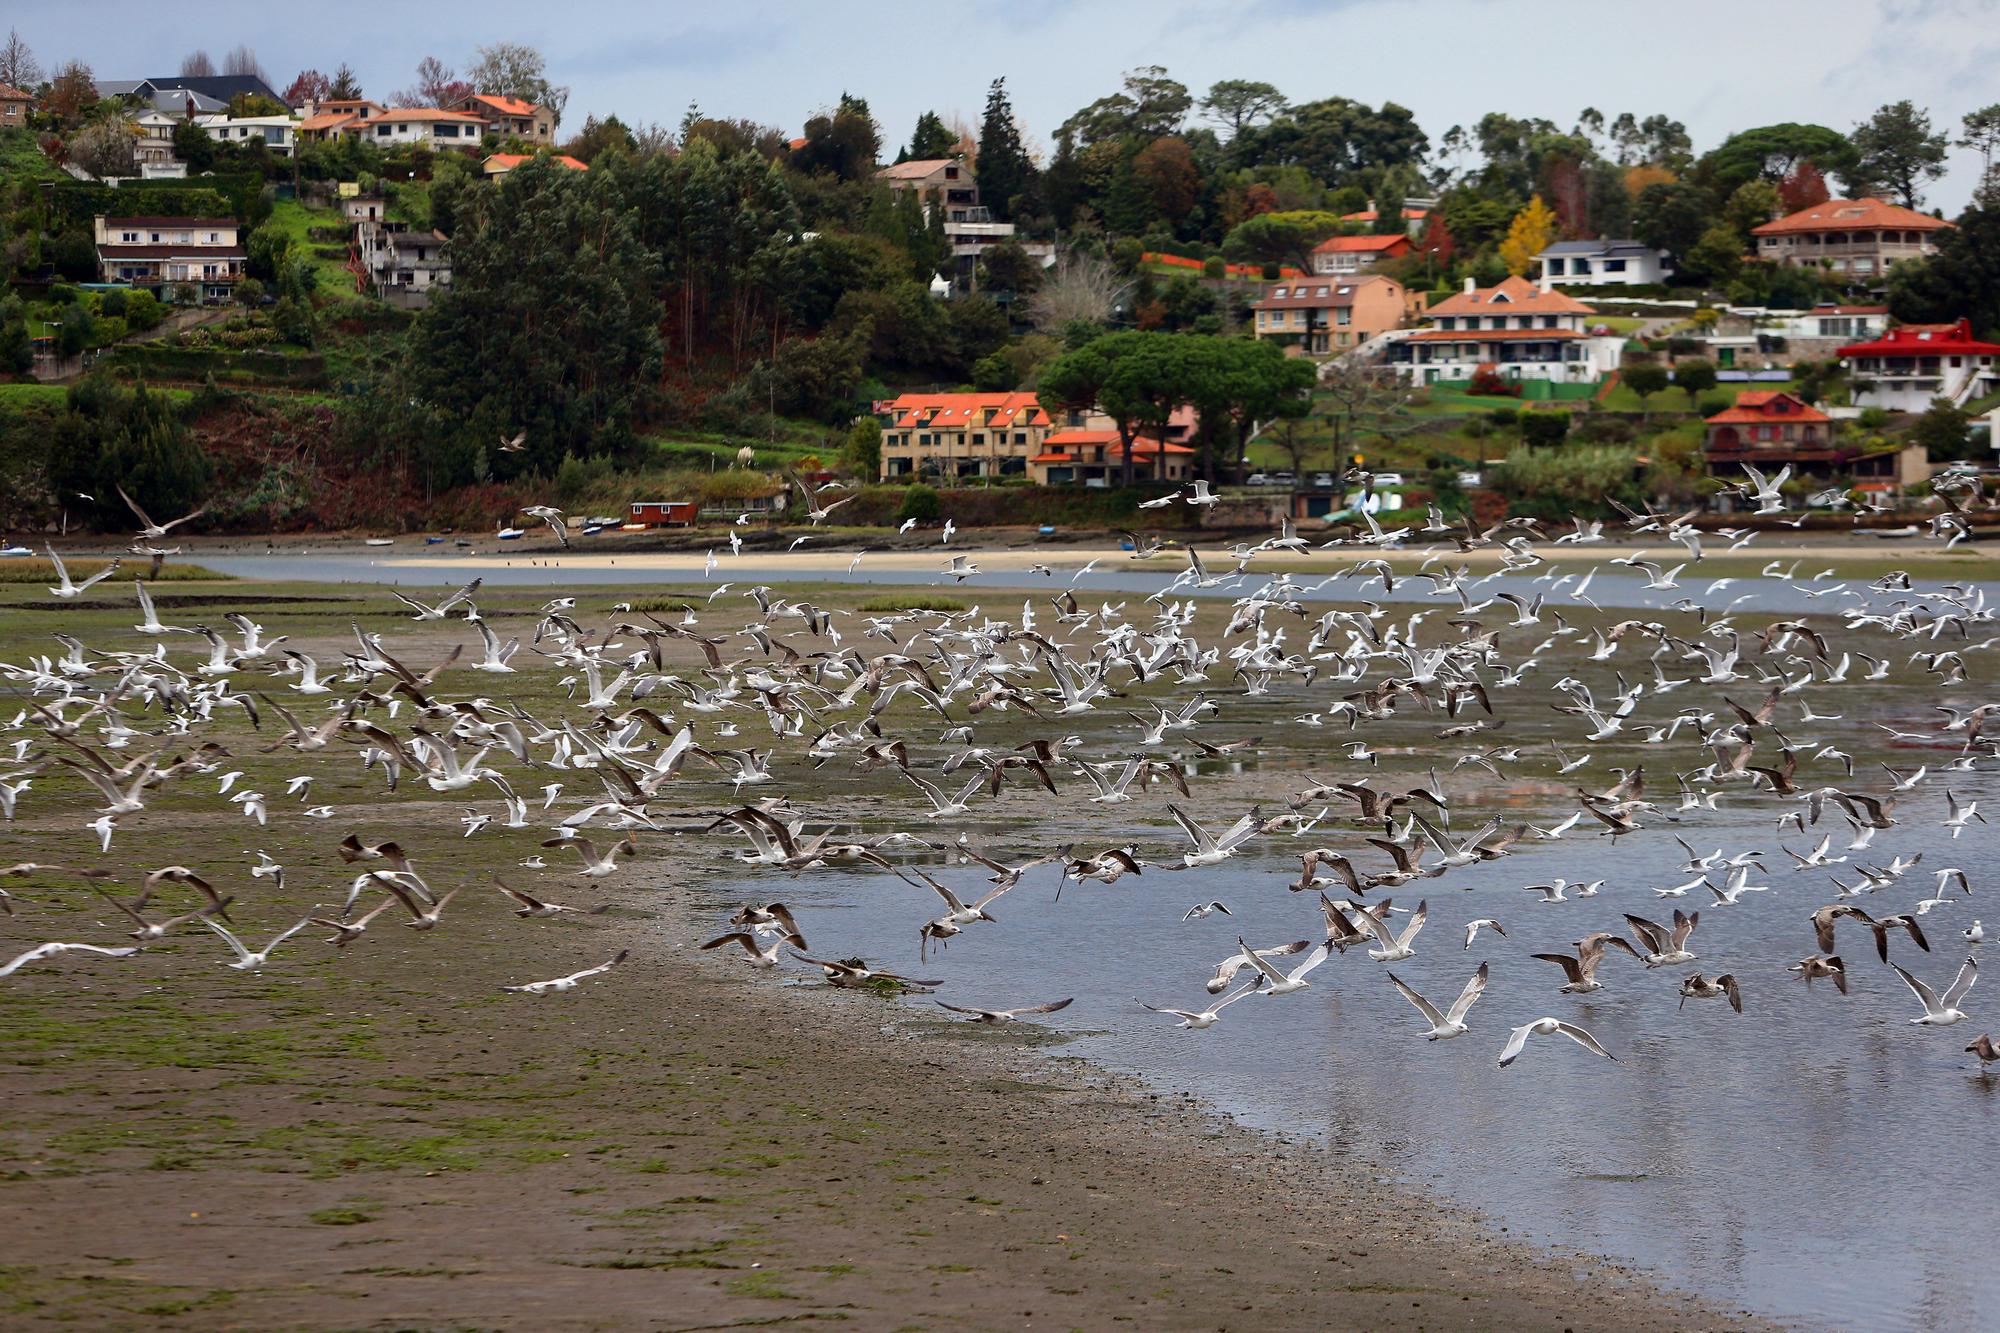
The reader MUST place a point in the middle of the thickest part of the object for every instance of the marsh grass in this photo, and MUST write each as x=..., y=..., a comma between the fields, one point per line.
x=35, y=569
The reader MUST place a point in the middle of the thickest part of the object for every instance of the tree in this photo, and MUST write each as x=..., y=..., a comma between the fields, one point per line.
x=18, y=66
x=537, y=331
x=1081, y=287
x=1671, y=216
x=309, y=86
x=1771, y=151
x=1961, y=280
x=1716, y=257
x=1645, y=378
x=930, y=140
x=842, y=141
x=1281, y=238
x=1165, y=167
x=1334, y=139
x=194, y=146
x=1237, y=104
x=1002, y=169
x=513, y=69
x=344, y=86
x=197, y=65
x=1530, y=233
x=437, y=85
x=1945, y=431
x=1803, y=187
x=1244, y=382
x=1981, y=130
x=72, y=93
x=242, y=60
x=104, y=148
x=1136, y=379
x=1752, y=205
x=861, y=454
x=1896, y=149
x=1694, y=378
x=1008, y=267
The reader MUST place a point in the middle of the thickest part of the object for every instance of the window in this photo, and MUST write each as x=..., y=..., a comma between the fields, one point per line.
x=1343, y=316
x=128, y=237
x=1020, y=437
x=1614, y=266
x=1555, y=267
x=382, y=131
x=979, y=437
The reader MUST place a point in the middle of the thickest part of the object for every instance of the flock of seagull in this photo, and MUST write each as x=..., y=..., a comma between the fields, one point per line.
x=646, y=716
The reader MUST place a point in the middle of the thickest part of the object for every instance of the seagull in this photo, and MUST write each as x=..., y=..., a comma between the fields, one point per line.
x=596, y=865
x=850, y=973
x=249, y=960
x=149, y=528
x=1280, y=983
x=1664, y=946
x=529, y=905
x=1211, y=849
x=1942, y=1011
x=1695, y=986
x=69, y=590
x=760, y=953
x=1974, y=933
x=1395, y=948
x=1451, y=1023
x=1822, y=965
x=1473, y=927
x=997, y=1016
x=1983, y=1047
x=1204, y=909
x=437, y=612
x=1198, y=1019
x=570, y=982
x=56, y=947
x=1543, y=1027
x=346, y=932
x=1581, y=971
x=1960, y=815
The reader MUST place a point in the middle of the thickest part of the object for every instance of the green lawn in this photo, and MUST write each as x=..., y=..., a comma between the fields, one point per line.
x=32, y=395
x=296, y=221
x=1668, y=401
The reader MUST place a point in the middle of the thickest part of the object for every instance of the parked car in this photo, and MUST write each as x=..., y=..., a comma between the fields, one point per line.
x=1323, y=481
x=1388, y=479
x=1284, y=478
x=1257, y=479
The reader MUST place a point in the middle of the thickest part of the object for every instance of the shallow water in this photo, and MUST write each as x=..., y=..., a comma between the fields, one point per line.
x=1815, y=1158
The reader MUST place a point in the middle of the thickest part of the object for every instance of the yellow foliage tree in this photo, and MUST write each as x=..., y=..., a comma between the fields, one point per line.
x=1639, y=177
x=1527, y=236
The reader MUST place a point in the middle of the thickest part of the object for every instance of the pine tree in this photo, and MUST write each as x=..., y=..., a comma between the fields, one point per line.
x=1004, y=170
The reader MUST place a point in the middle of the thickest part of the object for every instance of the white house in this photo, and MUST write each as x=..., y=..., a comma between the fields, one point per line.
x=1516, y=329
x=1602, y=263
x=402, y=126
x=161, y=252
x=404, y=265
x=278, y=134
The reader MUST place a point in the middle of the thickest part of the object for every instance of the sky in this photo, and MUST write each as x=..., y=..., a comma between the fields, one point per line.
x=1715, y=66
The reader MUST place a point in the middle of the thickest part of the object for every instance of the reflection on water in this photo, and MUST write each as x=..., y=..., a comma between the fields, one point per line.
x=1816, y=1157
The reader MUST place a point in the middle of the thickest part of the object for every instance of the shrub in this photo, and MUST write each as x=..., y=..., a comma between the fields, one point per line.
x=1683, y=346
x=1874, y=418
x=1711, y=403
x=1504, y=416
x=111, y=303
x=143, y=310
x=919, y=502
x=1214, y=268
x=249, y=292
x=1539, y=428
x=1697, y=377
x=1488, y=383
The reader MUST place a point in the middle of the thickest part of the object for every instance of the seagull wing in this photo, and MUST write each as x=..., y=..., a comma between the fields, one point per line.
x=1468, y=997
x=1924, y=993
x=1583, y=1039
x=1431, y=1013
x=1516, y=1040
x=1968, y=973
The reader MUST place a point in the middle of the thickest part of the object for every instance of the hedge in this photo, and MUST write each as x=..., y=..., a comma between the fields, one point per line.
x=193, y=363
x=1022, y=506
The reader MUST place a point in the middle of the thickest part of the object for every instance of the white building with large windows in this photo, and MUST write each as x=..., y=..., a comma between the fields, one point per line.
x=1603, y=263
x=1515, y=328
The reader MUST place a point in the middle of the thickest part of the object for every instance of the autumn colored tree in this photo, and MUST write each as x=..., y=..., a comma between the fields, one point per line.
x=1437, y=243
x=72, y=93
x=309, y=86
x=1567, y=189
x=1803, y=187
x=1166, y=168
x=1639, y=177
x=1259, y=198
x=1530, y=233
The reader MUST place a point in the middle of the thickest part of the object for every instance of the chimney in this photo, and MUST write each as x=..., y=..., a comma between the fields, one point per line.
x=1471, y=286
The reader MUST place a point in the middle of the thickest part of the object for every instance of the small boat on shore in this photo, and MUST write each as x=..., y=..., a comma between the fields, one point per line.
x=379, y=541
x=510, y=534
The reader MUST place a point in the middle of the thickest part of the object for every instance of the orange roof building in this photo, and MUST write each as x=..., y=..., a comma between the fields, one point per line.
x=14, y=106
x=1773, y=429
x=1514, y=328
x=1075, y=457
x=499, y=164
x=1855, y=238
x=1339, y=256
x=512, y=117
x=953, y=435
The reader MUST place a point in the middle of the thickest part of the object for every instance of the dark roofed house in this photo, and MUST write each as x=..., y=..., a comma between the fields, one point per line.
x=220, y=87
x=158, y=253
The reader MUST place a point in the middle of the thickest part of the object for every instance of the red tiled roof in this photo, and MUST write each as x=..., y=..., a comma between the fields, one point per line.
x=9, y=93
x=1759, y=407
x=1053, y=458
x=1516, y=296
x=327, y=120
x=1370, y=215
x=966, y=410
x=1313, y=293
x=1924, y=340
x=1850, y=215
x=1493, y=335
x=508, y=161
x=1143, y=446
x=912, y=170
x=1334, y=245
x=506, y=106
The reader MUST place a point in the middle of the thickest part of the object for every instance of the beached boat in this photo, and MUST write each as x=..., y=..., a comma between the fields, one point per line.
x=379, y=541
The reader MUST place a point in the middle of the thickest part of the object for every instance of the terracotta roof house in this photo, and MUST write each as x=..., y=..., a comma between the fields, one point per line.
x=335, y=117
x=1772, y=430
x=14, y=107
x=1080, y=457
x=1912, y=364
x=426, y=125
x=499, y=164
x=1517, y=329
x=1414, y=216
x=1326, y=315
x=961, y=434
x=1856, y=238
x=1341, y=255
x=511, y=117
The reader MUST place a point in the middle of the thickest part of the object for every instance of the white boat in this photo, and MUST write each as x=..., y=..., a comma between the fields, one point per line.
x=15, y=550
x=1911, y=531
x=380, y=541
x=511, y=534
